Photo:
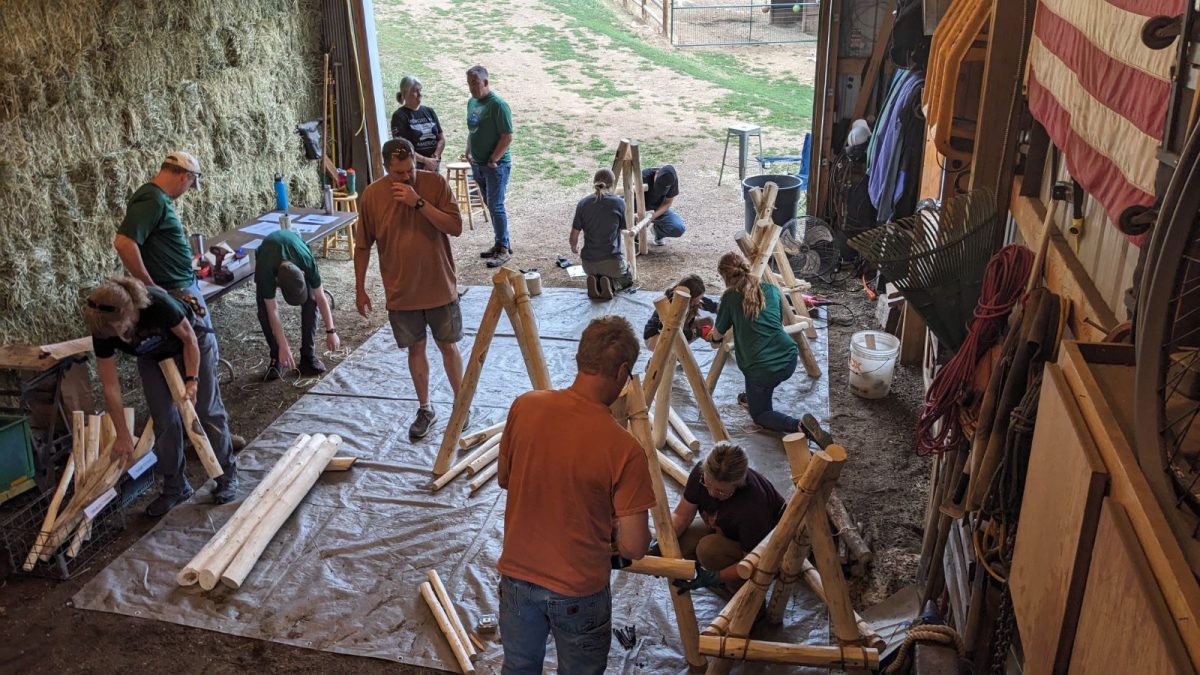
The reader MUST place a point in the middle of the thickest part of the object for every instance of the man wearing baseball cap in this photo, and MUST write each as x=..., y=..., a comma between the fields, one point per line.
x=153, y=246
x=284, y=262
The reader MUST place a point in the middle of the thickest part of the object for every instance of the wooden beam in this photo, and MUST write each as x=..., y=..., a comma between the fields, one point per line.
x=882, y=40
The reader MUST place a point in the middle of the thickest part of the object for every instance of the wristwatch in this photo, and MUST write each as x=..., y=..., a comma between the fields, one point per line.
x=420, y=203
x=189, y=378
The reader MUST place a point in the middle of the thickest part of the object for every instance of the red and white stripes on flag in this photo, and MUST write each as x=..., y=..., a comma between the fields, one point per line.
x=1102, y=94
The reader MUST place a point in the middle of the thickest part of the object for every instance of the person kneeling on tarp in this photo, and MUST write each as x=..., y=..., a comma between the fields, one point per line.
x=123, y=314
x=600, y=216
x=693, y=325
x=283, y=261
x=766, y=354
x=738, y=507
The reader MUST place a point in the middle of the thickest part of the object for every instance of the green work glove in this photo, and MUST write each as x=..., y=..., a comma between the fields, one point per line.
x=705, y=578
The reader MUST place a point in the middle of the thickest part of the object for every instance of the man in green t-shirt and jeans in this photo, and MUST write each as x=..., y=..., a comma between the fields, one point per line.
x=490, y=132
x=154, y=248
x=284, y=262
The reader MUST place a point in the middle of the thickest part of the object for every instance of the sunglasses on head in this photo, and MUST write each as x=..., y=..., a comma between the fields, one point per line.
x=402, y=153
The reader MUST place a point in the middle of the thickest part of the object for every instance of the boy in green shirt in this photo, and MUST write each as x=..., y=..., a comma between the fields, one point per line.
x=284, y=262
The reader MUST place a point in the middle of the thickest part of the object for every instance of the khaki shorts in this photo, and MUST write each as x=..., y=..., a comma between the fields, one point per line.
x=409, y=326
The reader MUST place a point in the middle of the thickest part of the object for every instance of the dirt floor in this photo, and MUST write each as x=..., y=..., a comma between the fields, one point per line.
x=884, y=486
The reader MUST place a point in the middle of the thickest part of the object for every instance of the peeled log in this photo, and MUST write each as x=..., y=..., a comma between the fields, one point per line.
x=191, y=423
x=443, y=622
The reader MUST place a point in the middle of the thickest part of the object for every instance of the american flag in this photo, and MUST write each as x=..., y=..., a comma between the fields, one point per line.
x=1102, y=94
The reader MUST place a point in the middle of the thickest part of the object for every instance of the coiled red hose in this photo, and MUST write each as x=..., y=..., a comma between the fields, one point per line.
x=939, y=426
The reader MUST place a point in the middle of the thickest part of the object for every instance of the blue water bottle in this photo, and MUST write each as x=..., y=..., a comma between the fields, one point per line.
x=281, y=200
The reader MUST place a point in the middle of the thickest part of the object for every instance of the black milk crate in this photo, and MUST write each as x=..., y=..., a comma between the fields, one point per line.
x=19, y=531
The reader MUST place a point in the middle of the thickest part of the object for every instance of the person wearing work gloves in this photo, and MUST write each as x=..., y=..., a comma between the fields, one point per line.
x=738, y=508
x=283, y=261
x=123, y=314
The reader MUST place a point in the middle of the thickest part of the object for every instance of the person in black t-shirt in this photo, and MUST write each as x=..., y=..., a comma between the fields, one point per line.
x=693, y=324
x=124, y=315
x=738, y=508
x=662, y=187
x=418, y=124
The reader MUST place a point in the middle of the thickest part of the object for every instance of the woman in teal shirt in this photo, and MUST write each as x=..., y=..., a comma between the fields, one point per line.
x=765, y=353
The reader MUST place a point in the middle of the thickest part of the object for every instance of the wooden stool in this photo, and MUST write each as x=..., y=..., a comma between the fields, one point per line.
x=466, y=191
x=343, y=239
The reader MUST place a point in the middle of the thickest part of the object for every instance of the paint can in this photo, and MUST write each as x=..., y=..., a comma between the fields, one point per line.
x=534, y=281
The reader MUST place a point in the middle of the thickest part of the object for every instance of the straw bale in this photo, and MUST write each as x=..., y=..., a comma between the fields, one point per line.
x=93, y=94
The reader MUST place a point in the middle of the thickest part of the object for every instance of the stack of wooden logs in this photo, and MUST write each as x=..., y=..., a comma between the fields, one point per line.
x=233, y=551
x=92, y=472
x=461, y=642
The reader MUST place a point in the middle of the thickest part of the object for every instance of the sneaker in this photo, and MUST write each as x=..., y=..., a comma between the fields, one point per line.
x=227, y=485
x=604, y=288
x=491, y=252
x=310, y=366
x=501, y=256
x=658, y=241
x=274, y=372
x=593, y=287
x=743, y=401
x=165, y=502
x=420, y=426
x=237, y=442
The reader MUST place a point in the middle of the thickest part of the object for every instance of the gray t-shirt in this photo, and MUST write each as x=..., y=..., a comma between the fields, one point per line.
x=601, y=222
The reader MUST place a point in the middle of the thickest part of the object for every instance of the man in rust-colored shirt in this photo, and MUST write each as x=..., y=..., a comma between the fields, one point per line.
x=410, y=216
x=576, y=480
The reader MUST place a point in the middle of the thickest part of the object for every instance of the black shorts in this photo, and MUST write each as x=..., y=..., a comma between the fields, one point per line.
x=409, y=326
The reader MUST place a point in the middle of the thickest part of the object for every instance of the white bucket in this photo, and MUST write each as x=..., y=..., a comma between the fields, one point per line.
x=533, y=280
x=872, y=363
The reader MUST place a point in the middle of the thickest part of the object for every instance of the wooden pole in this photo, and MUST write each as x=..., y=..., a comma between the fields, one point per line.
x=671, y=568
x=704, y=400
x=629, y=244
x=865, y=631
x=191, y=423
x=341, y=463
x=718, y=362
x=462, y=464
x=145, y=441
x=639, y=423
x=822, y=656
x=215, y=555
x=539, y=375
x=466, y=391
x=671, y=312
x=77, y=443
x=443, y=622
x=480, y=436
x=485, y=476
x=676, y=472
x=662, y=403
x=847, y=532
x=837, y=595
x=448, y=606
x=685, y=434
x=235, y=574
x=679, y=447
x=480, y=462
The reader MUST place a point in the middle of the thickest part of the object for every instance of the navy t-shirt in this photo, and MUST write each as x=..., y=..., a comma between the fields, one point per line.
x=152, y=336
x=419, y=127
x=601, y=222
x=748, y=515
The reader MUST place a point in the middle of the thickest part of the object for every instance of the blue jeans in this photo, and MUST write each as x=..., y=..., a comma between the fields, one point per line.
x=582, y=628
x=492, y=185
x=669, y=224
x=758, y=398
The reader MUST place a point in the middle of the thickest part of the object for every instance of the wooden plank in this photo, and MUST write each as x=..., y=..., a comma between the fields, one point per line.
x=1064, y=487
x=1063, y=271
x=1125, y=625
x=912, y=336
x=883, y=40
x=1128, y=486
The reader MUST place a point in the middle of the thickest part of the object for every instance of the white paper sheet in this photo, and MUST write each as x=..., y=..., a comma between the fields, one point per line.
x=575, y=271
x=305, y=228
x=272, y=217
x=252, y=244
x=317, y=219
x=261, y=228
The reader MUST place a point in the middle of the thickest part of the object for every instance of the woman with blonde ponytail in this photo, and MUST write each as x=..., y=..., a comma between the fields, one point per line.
x=124, y=315
x=600, y=217
x=765, y=353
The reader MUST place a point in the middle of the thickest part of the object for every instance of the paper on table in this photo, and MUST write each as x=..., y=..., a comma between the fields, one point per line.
x=261, y=228
x=316, y=219
x=305, y=228
x=272, y=217
x=252, y=244
x=575, y=271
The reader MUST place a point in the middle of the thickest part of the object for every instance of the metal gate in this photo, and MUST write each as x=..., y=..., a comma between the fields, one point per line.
x=706, y=23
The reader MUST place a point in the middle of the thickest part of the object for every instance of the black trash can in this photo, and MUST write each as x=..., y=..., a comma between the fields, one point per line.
x=786, y=201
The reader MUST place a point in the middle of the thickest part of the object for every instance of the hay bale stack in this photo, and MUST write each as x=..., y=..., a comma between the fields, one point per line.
x=93, y=94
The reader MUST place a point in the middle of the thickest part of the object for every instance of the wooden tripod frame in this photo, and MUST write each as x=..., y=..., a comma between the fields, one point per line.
x=510, y=295
x=627, y=167
x=759, y=248
x=780, y=558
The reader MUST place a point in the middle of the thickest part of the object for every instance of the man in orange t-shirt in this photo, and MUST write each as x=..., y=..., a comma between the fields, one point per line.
x=410, y=216
x=576, y=480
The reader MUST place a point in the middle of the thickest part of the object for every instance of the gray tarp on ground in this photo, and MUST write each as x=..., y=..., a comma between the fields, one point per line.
x=343, y=573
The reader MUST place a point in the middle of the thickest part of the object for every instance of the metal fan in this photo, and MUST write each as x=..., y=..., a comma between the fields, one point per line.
x=810, y=247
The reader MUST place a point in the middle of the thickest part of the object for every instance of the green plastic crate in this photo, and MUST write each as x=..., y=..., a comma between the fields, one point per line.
x=16, y=452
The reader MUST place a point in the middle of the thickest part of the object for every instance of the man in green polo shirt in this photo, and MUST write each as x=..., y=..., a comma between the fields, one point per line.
x=284, y=262
x=490, y=132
